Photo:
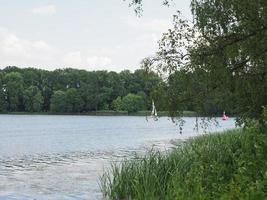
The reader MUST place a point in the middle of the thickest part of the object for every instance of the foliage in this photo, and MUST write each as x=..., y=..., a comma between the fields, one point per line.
x=58, y=102
x=189, y=91
x=33, y=99
x=229, y=165
x=74, y=101
x=3, y=103
x=130, y=103
x=117, y=104
x=71, y=90
x=222, y=54
x=138, y=5
x=14, y=90
x=68, y=101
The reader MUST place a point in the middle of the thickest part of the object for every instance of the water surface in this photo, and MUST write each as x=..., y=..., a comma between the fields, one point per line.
x=61, y=157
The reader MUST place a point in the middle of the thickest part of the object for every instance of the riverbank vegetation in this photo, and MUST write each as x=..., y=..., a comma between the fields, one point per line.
x=229, y=165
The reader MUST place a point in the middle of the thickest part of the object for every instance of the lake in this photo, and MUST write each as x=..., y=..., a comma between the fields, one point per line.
x=62, y=157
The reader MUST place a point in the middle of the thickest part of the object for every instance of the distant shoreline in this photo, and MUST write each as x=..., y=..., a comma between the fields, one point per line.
x=102, y=113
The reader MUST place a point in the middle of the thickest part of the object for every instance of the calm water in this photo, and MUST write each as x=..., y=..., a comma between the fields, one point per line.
x=61, y=157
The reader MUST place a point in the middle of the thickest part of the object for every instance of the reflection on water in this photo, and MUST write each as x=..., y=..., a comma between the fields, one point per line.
x=61, y=157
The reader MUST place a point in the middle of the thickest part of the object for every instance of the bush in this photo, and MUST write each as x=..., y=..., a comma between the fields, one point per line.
x=130, y=103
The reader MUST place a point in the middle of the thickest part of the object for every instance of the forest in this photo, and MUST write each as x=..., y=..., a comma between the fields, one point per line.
x=74, y=91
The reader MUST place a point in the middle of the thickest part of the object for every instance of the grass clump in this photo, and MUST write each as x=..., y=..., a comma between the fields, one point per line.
x=229, y=165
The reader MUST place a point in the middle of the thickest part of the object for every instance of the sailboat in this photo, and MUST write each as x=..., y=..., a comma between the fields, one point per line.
x=154, y=113
x=225, y=117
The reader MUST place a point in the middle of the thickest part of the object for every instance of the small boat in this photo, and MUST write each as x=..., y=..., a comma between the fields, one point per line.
x=225, y=117
x=154, y=113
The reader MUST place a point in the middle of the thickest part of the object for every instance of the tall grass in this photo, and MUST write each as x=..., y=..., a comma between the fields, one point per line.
x=229, y=165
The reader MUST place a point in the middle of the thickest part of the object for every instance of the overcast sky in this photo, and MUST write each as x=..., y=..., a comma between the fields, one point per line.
x=84, y=34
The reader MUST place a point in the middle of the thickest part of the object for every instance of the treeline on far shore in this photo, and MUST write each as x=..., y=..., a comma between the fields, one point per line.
x=75, y=91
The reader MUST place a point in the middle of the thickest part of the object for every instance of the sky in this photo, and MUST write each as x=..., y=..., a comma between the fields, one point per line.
x=83, y=34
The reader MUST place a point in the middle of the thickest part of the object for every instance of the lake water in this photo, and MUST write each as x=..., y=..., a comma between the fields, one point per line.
x=61, y=157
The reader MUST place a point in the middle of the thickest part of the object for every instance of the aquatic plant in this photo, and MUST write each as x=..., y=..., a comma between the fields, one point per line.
x=228, y=165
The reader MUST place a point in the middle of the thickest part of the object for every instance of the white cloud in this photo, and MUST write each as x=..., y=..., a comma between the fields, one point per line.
x=152, y=25
x=97, y=62
x=45, y=10
x=73, y=59
x=146, y=43
x=21, y=52
x=16, y=51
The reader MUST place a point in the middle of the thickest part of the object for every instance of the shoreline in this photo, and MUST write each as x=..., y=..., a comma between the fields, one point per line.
x=102, y=113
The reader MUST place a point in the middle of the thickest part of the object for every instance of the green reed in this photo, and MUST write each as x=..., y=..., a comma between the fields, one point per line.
x=229, y=165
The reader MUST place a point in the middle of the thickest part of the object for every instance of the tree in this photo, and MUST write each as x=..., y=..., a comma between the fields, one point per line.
x=237, y=32
x=117, y=104
x=74, y=101
x=14, y=90
x=33, y=99
x=84, y=91
x=68, y=101
x=3, y=102
x=132, y=103
x=58, y=102
x=138, y=5
x=89, y=92
x=225, y=51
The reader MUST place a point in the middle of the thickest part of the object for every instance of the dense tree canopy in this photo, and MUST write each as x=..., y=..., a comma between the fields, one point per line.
x=74, y=91
x=130, y=103
x=33, y=99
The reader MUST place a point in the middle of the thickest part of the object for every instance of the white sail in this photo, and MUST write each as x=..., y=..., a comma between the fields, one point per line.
x=154, y=113
x=153, y=108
